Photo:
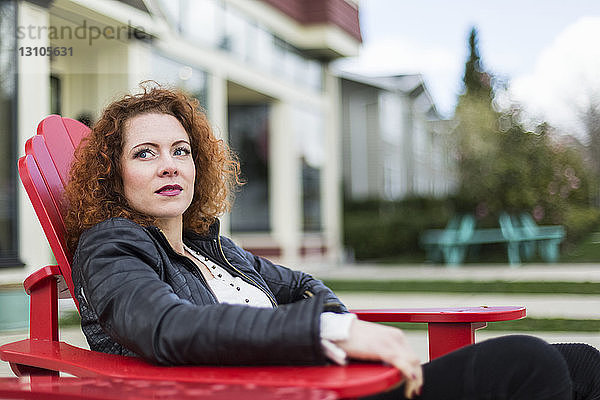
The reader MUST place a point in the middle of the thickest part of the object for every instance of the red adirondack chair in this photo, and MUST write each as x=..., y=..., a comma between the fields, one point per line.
x=44, y=173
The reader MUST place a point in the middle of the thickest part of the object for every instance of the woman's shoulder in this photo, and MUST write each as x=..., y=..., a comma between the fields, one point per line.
x=116, y=222
x=115, y=228
x=117, y=236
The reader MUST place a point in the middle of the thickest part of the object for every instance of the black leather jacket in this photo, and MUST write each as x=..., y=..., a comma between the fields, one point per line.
x=137, y=296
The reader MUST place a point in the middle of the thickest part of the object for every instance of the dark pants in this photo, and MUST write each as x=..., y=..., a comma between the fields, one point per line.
x=511, y=367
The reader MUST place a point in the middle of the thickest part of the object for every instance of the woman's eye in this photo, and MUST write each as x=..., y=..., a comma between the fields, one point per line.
x=143, y=153
x=181, y=151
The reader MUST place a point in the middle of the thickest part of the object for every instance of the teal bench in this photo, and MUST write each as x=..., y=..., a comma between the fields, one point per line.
x=545, y=238
x=449, y=245
x=521, y=235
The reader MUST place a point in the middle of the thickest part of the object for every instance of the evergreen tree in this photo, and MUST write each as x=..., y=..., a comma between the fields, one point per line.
x=477, y=138
x=477, y=82
x=505, y=167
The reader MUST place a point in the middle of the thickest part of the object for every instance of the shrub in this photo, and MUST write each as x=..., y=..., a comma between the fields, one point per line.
x=580, y=222
x=376, y=229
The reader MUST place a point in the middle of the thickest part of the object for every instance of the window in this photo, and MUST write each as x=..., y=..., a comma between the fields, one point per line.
x=220, y=25
x=249, y=138
x=236, y=33
x=55, y=95
x=173, y=12
x=309, y=126
x=204, y=22
x=8, y=136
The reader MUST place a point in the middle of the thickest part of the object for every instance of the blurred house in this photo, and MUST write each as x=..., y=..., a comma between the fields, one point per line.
x=259, y=67
x=395, y=143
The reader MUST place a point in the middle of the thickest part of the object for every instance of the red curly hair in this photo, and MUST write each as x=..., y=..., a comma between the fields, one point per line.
x=95, y=189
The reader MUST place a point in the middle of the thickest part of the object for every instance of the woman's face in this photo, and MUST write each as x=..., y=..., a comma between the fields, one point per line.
x=157, y=167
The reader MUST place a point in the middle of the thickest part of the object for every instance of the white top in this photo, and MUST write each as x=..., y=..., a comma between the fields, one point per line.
x=234, y=290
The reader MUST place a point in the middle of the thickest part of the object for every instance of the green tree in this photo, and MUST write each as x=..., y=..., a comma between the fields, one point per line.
x=589, y=117
x=476, y=81
x=504, y=166
x=477, y=139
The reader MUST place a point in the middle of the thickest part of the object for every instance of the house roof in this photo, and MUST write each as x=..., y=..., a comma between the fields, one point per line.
x=409, y=85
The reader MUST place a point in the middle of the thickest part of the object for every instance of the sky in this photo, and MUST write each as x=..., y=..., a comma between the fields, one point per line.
x=548, y=51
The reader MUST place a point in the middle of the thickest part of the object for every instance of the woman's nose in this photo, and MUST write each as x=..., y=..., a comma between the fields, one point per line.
x=169, y=171
x=168, y=168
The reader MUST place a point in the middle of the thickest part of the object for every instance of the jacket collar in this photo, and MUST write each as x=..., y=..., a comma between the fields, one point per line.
x=213, y=232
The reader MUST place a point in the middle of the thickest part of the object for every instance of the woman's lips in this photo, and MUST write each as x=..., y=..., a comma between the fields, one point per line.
x=169, y=190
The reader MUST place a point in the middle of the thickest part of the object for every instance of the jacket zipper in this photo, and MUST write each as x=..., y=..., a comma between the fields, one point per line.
x=198, y=274
x=194, y=269
x=217, y=241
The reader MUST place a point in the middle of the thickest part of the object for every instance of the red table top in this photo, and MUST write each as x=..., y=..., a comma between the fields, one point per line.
x=444, y=314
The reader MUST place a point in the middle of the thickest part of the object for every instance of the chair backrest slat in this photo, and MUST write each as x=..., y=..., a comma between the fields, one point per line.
x=36, y=147
x=44, y=171
x=76, y=130
x=47, y=213
x=59, y=144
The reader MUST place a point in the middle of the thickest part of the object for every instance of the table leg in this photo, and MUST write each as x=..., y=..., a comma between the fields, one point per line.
x=447, y=337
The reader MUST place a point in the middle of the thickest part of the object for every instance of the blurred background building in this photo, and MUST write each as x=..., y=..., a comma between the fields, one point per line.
x=260, y=69
x=395, y=144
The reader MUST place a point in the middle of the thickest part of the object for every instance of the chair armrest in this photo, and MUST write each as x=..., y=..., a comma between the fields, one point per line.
x=49, y=271
x=353, y=380
x=43, y=315
x=448, y=328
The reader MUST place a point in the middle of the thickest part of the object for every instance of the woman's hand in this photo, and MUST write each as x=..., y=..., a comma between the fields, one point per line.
x=375, y=342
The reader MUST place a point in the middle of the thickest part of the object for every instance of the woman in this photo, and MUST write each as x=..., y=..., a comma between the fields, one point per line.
x=153, y=278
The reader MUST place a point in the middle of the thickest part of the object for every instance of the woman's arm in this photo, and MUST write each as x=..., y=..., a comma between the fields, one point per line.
x=116, y=264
